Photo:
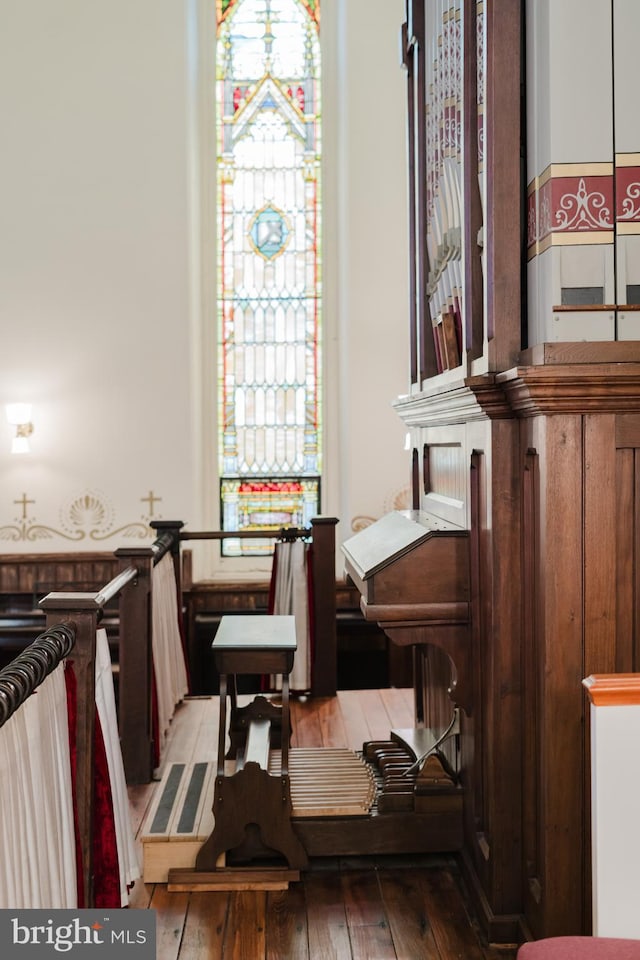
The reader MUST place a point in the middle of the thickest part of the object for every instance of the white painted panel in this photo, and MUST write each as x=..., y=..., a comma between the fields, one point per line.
x=582, y=325
x=538, y=87
x=629, y=325
x=580, y=75
x=627, y=264
x=615, y=786
x=533, y=309
x=626, y=20
x=586, y=266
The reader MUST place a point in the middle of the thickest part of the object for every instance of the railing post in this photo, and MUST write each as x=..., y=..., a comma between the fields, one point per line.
x=82, y=609
x=323, y=566
x=136, y=665
x=172, y=528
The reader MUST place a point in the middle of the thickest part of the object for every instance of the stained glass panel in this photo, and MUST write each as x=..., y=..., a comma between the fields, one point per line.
x=269, y=284
x=259, y=504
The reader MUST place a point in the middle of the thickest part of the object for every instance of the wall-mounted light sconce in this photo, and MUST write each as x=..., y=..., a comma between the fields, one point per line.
x=19, y=416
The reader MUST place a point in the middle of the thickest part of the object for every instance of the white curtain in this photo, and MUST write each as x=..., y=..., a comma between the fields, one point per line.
x=106, y=706
x=37, y=840
x=291, y=597
x=168, y=655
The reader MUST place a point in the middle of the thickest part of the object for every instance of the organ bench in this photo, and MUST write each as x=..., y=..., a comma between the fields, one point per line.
x=252, y=796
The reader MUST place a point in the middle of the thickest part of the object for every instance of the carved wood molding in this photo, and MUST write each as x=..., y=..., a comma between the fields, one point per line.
x=474, y=398
x=613, y=689
x=572, y=388
x=527, y=391
x=490, y=397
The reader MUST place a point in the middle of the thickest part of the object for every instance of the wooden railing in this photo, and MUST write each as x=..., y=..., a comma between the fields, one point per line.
x=131, y=588
x=322, y=536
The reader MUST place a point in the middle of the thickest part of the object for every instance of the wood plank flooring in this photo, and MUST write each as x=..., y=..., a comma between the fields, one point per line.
x=382, y=908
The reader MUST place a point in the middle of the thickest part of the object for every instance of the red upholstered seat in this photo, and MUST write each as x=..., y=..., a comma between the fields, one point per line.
x=580, y=948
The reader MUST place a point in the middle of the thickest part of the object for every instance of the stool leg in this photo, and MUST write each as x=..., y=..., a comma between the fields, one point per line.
x=222, y=731
x=233, y=693
x=284, y=745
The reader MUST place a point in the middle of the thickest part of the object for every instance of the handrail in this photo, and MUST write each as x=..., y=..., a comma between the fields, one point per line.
x=284, y=533
x=161, y=545
x=32, y=665
x=60, y=599
x=113, y=588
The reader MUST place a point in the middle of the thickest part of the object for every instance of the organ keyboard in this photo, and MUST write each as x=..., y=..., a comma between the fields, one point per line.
x=273, y=803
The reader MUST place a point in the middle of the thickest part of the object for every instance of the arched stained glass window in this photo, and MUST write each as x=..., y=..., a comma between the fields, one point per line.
x=269, y=265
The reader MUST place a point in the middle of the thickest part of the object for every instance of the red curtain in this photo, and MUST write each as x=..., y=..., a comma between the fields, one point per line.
x=106, y=876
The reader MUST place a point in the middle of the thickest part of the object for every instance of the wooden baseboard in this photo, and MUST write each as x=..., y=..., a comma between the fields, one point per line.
x=506, y=928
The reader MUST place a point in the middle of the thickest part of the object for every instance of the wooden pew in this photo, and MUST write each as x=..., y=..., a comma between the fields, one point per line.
x=26, y=578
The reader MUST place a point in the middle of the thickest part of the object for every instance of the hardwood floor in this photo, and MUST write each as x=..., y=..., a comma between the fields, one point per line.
x=379, y=908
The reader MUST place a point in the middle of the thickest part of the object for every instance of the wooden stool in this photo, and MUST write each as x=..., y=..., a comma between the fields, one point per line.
x=251, y=796
x=580, y=948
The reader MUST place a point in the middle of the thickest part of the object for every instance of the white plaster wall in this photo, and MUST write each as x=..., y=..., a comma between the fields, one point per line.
x=93, y=261
x=105, y=299
x=370, y=279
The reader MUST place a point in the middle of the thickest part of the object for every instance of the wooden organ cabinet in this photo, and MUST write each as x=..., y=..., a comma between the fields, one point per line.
x=412, y=571
x=524, y=414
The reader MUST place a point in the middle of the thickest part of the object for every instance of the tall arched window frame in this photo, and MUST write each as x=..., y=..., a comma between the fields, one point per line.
x=269, y=266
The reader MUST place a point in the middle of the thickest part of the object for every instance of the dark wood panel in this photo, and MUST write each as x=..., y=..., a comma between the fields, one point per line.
x=37, y=574
x=599, y=544
x=582, y=351
x=473, y=278
x=472, y=727
x=531, y=808
x=627, y=430
x=626, y=533
x=560, y=642
x=500, y=671
x=502, y=152
x=635, y=606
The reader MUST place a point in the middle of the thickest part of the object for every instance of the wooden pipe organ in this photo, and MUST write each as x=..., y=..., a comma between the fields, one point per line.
x=274, y=804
